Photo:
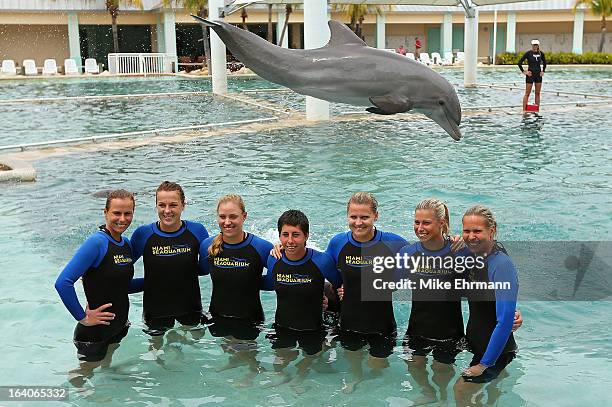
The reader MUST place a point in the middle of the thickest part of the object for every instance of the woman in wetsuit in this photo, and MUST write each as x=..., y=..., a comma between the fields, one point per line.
x=536, y=66
x=436, y=321
x=104, y=263
x=170, y=249
x=492, y=305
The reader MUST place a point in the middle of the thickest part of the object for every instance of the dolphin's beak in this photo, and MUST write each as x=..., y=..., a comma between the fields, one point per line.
x=440, y=116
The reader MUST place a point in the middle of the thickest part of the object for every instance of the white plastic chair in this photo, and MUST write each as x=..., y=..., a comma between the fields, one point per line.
x=437, y=58
x=448, y=58
x=49, y=67
x=8, y=67
x=460, y=56
x=91, y=66
x=70, y=67
x=29, y=65
x=425, y=58
x=410, y=55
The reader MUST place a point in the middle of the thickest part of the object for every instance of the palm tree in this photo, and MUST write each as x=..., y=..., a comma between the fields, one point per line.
x=112, y=6
x=357, y=13
x=288, y=11
x=601, y=8
x=199, y=7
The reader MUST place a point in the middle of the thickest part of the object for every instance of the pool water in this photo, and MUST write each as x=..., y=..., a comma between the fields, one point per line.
x=547, y=178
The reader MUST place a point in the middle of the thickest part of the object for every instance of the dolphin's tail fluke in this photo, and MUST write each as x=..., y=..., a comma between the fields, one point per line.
x=204, y=21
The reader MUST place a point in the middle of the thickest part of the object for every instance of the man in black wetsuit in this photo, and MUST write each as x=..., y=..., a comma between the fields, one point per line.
x=534, y=73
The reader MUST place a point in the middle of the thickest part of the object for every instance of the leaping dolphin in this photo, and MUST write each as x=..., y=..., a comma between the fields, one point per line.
x=346, y=70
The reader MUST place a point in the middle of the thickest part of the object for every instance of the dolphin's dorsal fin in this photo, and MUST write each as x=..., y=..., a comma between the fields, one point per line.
x=342, y=35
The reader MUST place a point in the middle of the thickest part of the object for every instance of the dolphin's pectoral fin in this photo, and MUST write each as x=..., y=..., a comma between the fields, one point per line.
x=390, y=104
x=342, y=35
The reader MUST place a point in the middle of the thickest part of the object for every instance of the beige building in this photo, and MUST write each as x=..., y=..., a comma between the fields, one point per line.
x=79, y=29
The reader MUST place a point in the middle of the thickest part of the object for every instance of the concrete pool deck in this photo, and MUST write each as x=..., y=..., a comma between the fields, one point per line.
x=12, y=169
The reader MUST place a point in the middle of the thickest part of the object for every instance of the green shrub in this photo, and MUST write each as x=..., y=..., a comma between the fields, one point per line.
x=559, y=58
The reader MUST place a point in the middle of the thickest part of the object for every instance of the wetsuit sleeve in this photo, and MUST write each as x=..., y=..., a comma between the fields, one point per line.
x=267, y=281
x=543, y=62
x=138, y=240
x=90, y=254
x=403, y=271
x=204, y=266
x=328, y=268
x=501, y=270
x=263, y=248
x=523, y=59
x=198, y=230
x=394, y=242
x=136, y=285
x=335, y=245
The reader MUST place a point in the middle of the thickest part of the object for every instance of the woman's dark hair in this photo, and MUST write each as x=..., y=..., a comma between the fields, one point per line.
x=169, y=186
x=119, y=194
x=293, y=217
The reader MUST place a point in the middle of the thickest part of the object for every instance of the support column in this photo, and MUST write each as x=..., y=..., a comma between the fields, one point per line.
x=381, y=41
x=578, y=31
x=471, y=47
x=494, y=53
x=170, y=40
x=316, y=35
x=447, y=33
x=511, y=32
x=161, y=46
x=279, y=29
x=217, y=51
x=74, y=43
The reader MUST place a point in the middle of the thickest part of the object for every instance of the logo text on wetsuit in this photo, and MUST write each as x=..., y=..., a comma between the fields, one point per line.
x=230, y=262
x=121, y=260
x=293, y=279
x=170, y=250
x=359, y=261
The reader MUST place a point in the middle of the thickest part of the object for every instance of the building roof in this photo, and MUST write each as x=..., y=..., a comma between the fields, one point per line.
x=408, y=6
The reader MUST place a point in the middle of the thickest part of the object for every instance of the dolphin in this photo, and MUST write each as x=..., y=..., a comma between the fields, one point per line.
x=346, y=70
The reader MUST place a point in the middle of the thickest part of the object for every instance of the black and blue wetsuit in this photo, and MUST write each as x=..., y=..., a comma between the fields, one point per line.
x=299, y=287
x=106, y=268
x=236, y=274
x=489, y=327
x=171, y=287
x=534, y=60
x=366, y=315
x=436, y=321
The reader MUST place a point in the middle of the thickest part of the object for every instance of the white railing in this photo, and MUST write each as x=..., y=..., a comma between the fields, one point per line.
x=142, y=64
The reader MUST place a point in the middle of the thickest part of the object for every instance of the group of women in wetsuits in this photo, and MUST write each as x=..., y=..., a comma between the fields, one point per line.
x=176, y=252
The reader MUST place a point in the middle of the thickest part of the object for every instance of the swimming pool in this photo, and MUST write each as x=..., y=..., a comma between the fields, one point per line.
x=546, y=178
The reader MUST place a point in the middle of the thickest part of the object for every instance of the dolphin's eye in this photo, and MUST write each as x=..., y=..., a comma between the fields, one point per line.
x=441, y=102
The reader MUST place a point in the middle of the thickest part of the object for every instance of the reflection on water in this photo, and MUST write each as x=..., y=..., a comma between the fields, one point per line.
x=532, y=123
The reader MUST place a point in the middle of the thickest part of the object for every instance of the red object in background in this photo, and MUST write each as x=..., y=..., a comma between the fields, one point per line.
x=533, y=108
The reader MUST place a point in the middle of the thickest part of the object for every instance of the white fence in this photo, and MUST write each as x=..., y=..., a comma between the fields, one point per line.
x=143, y=64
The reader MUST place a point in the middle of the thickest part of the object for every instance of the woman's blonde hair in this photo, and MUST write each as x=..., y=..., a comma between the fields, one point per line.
x=485, y=213
x=363, y=198
x=216, y=246
x=439, y=209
